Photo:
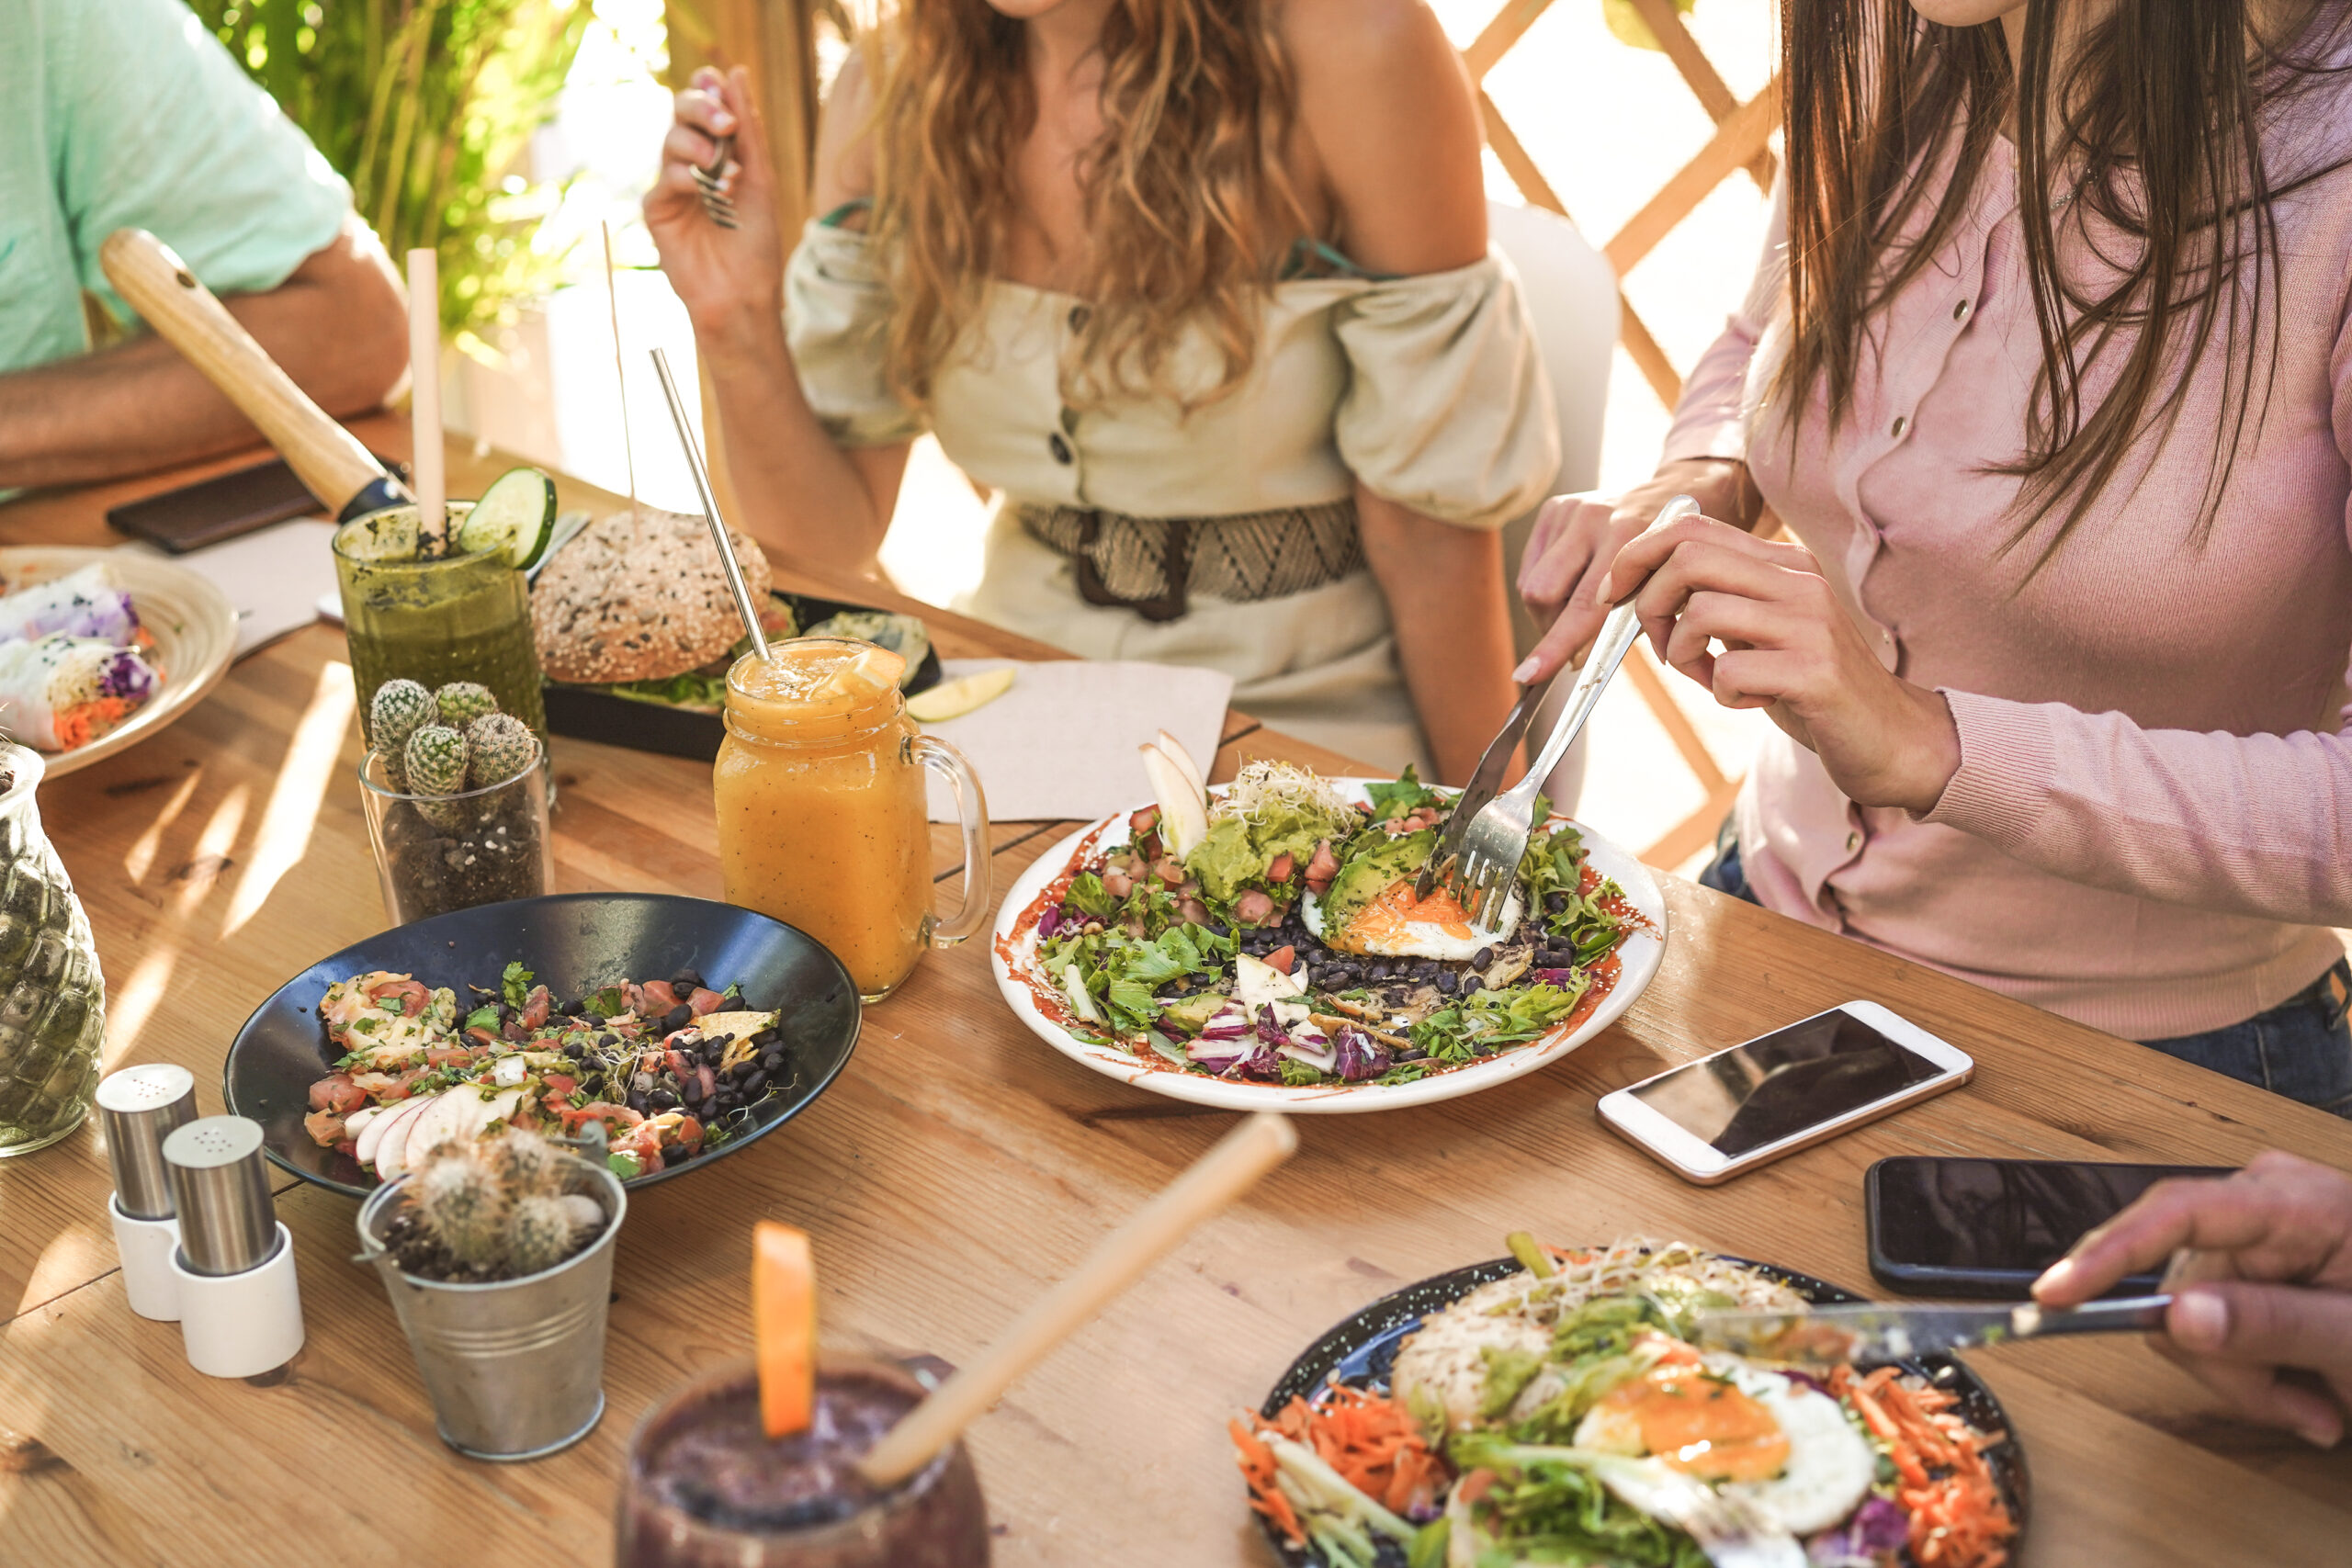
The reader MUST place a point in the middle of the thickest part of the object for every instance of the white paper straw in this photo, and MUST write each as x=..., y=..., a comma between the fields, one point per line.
x=427, y=477
x=613, y=301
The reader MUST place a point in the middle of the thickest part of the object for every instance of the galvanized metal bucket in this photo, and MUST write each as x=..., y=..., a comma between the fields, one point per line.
x=515, y=1370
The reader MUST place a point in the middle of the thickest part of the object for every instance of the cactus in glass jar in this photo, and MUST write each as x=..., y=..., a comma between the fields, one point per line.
x=396, y=710
x=498, y=747
x=462, y=702
x=436, y=756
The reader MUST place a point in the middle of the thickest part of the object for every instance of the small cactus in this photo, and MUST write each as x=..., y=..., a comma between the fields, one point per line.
x=436, y=766
x=499, y=1205
x=394, y=714
x=498, y=747
x=462, y=702
x=462, y=1203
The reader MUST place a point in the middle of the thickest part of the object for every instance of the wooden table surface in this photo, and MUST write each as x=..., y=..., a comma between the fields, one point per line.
x=959, y=1166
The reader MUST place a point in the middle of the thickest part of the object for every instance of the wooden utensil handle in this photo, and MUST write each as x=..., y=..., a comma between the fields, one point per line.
x=1218, y=1177
x=326, y=457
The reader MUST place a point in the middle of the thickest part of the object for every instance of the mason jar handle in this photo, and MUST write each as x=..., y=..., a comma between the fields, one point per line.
x=972, y=811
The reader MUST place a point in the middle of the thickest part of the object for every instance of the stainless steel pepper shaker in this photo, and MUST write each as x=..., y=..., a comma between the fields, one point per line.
x=138, y=1108
x=241, y=1312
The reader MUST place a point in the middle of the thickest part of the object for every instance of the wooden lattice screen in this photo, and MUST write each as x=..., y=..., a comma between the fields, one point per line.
x=775, y=38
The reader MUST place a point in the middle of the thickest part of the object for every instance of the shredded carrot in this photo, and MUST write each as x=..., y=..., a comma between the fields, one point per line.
x=1958, y=1519
x=1367, y=1438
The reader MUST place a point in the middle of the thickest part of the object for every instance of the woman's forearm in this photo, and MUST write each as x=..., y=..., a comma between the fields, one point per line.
x=1444, y=587
x=798, y=492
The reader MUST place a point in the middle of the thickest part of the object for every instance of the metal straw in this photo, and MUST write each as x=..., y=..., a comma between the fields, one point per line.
x=744, y=605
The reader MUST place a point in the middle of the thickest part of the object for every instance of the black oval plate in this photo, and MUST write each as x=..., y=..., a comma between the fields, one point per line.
x=1362, y=1350
x=573, y=943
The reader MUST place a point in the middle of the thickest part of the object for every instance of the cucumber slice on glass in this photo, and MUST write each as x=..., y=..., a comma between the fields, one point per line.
x=515, y=515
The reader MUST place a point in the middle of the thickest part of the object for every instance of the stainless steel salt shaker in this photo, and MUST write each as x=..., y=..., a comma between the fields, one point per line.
x=140, y=1107
x=220, y=1188
x=241, y=1311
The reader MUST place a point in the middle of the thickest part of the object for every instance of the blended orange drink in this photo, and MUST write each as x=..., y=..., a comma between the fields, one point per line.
x=821, y=811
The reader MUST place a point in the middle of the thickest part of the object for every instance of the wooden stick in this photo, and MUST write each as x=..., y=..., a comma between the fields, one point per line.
x=327, y=459
x=1217, y=1179
x=424, y=400
x=613, y=303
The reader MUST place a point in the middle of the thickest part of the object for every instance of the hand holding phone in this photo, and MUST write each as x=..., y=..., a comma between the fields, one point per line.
x=1712, y=1119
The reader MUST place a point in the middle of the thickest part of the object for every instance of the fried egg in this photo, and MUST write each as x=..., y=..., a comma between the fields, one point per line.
x=1397, y=925
x=1785, y=1447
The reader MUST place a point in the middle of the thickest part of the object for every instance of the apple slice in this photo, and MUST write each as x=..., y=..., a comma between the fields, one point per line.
x=1256, y=983
x=1183, y=759
x=784, y=1326
x=368, y=1138
x=1184, y=810
x=391, y=1153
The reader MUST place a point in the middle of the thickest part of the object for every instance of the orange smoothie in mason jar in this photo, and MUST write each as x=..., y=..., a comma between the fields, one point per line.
x=822, y=819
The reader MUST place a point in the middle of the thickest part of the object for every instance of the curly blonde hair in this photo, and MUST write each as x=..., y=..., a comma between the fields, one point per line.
x=1188, y=210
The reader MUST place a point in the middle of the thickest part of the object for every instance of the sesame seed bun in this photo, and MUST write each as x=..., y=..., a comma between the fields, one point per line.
x=640, y=597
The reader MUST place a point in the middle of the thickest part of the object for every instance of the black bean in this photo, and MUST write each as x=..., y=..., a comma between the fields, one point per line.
x=772, y=1062
x=1555, y=902
x=742, y=1070
x=677, y=1018
x=1471, y=983
x=686, y=980
x=575, y=1050
x=661, y=1100
x=1482, y=957
x=1379, y=972
x=765, y=1037
x=1446, y=982
x=754, y=1084
x=638, y=1101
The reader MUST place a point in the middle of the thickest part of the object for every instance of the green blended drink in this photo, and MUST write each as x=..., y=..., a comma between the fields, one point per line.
x=459, y=617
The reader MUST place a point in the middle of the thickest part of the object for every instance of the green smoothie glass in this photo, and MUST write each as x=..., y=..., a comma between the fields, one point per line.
x=461, y=617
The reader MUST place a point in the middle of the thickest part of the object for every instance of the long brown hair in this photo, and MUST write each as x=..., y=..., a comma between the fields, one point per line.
x=2156, y=126
x=1186, y=205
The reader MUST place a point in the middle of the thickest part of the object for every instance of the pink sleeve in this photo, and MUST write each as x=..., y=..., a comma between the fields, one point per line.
x=2252, y=824
x=1710, y=419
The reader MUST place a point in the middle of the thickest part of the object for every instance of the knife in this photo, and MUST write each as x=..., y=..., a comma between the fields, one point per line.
x=1880, y=1331
x=1481, y=785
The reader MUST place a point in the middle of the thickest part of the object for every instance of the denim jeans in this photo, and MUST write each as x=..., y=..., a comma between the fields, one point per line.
x=2301, y=1048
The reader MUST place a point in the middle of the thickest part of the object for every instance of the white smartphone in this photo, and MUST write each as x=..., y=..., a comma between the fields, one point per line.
x=1711, y=1119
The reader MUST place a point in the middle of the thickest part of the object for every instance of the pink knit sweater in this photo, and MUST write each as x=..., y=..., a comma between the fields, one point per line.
x=2151, y=829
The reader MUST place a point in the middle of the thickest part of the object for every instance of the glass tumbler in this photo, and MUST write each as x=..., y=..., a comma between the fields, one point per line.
x=435, y=853
x=704, y=1488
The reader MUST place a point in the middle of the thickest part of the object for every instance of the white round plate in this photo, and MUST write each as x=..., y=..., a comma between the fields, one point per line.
x=194, y=626
x=1014, y=960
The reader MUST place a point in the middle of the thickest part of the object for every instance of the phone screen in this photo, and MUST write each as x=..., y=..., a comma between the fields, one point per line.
x=1788, y=1081
x=1998, y=1216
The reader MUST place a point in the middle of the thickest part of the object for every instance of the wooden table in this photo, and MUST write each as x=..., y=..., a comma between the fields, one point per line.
x=956, y=1168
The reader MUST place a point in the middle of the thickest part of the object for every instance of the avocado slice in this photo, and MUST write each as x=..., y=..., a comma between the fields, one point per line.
x=1192, y=1014
x=1372, y=872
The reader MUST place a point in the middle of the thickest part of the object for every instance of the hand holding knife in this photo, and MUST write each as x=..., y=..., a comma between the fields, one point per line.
x=1868, y=1332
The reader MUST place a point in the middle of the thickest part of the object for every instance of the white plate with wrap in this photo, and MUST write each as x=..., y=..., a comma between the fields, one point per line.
x=1035, y=999
x=194, y=626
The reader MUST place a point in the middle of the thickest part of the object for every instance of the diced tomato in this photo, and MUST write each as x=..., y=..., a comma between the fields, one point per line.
x=448, y=1056
x=600, y=1110
x=705, y=1000
x=325, y=1128
x=337, y=1093
x=709, y=1080
x=482, y=1035
x=536, y=1007
x=658, y=997
x=561, y=1083
x=689, y=1133
x=413, y=996
x=676, y=1061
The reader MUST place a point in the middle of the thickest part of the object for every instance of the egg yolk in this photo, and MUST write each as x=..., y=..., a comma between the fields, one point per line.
x=1389, y=917
x=1700, y=1424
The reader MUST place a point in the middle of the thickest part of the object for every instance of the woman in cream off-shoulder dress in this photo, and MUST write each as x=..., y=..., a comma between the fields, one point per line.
x=1200, y=290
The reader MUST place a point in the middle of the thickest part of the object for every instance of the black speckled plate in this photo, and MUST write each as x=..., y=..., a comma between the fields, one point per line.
x=1360, y=1350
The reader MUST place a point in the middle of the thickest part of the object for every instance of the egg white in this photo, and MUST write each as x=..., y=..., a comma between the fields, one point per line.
x=1422, y=939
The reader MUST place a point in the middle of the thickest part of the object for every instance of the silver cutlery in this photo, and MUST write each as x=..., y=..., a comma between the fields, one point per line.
x=1495, y=839
x=1867, y=1332
x=1732, y=1531
x=1481, y=785
x=710, y=183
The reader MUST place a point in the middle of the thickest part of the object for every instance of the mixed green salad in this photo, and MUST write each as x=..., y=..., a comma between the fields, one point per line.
x=1273, y=935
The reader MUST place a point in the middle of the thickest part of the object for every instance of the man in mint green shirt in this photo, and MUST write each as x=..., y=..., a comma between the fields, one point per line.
x=119, y=114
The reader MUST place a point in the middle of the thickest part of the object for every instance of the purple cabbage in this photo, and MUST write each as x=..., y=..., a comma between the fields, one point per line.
x=1269, y=1030
x=1554, y=976
x=1229, y=1023
x=1359, y=1056
x=1322, y=1060
x=1216, y=1056
x=1049, y=922
x=1878, y=1529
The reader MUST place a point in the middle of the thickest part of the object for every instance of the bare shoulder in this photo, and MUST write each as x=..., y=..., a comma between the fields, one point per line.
x=1387, y=108
x=844, y=158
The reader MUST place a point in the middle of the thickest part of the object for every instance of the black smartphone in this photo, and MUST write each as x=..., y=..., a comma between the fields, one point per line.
x=1988, y=1227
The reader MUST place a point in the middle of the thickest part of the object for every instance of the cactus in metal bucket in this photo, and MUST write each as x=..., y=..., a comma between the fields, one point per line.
x=460, y=1199
x=500, y=1206
x=498, y=747
x=541, y=1235
x=462, y=702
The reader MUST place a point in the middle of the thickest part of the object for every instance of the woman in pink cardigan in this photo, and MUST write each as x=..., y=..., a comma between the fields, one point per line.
x=2059, y=656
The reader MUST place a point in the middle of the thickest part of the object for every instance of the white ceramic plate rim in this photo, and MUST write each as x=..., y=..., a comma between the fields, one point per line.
x=207, y=623
x=1638, y=957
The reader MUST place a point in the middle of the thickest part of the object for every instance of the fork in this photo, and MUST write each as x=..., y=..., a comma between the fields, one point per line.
x=1731, y=1530
x=1496, y=841
x=1481, y=787
x=711, y=184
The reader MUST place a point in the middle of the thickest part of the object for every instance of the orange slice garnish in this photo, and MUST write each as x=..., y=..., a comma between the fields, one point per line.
x=784, y=1326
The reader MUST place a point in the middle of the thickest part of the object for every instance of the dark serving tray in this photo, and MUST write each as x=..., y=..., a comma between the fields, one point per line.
x=591, y=712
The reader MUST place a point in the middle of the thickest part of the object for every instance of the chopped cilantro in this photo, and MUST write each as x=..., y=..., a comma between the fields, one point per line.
x=610, y=1002
x=483, y=1017
x=515, y=983
x=1390, y=801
